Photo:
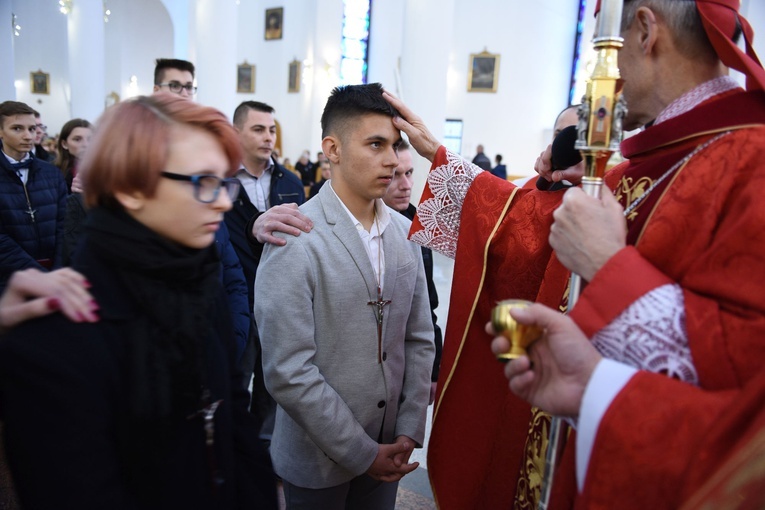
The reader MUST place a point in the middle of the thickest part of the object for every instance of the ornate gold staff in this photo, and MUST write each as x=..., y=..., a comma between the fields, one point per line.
x=599, y=133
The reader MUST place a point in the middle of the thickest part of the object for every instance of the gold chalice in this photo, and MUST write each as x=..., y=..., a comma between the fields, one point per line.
x=520, y=335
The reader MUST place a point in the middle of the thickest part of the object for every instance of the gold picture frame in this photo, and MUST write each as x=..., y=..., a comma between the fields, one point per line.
x=293, y=81
x=483, y=73
x=39, y=82
x=245, y=78
x=274, y=23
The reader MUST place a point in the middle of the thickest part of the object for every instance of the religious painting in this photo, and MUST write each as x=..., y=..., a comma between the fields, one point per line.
x=274, y=20
x=484, y=72
x=293, y=83
x=40, y=82
x=245, y=78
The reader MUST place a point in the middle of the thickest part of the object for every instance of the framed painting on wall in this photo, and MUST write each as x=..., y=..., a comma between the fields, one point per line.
x=484, y=72
x=274, y=23
x=40, y=82
x=293, y=82
x=245, y=78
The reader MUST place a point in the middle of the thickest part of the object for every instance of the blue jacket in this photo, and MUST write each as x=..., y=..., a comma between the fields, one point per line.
x=236, y=288
x=26, y=238
x=286, y=188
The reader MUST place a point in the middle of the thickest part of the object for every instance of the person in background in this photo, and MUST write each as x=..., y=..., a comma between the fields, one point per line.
x=176, y=76
x=481, y=160
x=265, y=184
x=72, y=144
x=306, y=168
x=398, y=197
x=499, y=170
x=39, y=151
x=33, y=198
x=326, y=174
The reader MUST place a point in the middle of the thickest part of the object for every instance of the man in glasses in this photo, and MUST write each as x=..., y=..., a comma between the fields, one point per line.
x=39, y=151
x=176, y=76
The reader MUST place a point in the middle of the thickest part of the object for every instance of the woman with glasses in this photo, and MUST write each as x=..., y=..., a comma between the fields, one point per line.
x=72, y=143
x=144, y=408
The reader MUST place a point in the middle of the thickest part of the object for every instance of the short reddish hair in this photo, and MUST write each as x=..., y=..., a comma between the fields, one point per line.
x=131, y=145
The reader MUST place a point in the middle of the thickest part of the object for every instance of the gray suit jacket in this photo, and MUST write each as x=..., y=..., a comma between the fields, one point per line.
x=320, y=346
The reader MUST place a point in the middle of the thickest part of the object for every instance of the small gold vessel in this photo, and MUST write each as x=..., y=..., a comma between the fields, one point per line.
x=520, y=335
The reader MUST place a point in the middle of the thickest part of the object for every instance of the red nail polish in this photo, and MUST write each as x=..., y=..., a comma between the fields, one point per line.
x=80, y=317
x=93, y=305
x=53, y=304
x=86, y=284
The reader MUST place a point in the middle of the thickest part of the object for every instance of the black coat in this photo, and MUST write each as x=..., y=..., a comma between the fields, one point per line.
x=26, y=238
x=427, y=261
x=286, y=188
x=63, y=395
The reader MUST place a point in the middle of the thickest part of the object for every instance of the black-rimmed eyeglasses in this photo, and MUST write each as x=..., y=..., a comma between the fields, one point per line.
x=207, y=187
x=176, y=87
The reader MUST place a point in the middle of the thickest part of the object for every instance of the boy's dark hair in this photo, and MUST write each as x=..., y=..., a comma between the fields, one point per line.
x=243, y=109
x=170, y=63
x=348, y=102
x=9, y=108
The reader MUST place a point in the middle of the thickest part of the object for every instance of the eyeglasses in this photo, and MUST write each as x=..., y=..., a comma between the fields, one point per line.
x=207, y=187
x=41, y=126
x=176, y=87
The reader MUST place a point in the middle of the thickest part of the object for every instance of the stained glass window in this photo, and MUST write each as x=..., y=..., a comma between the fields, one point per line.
x=577, y=62
x=354, y=58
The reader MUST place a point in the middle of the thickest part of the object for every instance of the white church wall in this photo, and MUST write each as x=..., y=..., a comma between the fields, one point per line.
x=535, y=41
x=42, y=46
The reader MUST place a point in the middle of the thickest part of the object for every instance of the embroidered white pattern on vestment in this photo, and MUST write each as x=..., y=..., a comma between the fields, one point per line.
x=696, y=96
x=440, y=216
x=651, y=335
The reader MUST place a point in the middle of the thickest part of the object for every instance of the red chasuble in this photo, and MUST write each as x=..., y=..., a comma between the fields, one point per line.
x=702, y=228
x=690, y=449
x=479, y=427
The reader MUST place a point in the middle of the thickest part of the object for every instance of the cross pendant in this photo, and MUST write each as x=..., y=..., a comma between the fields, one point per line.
x=31, y=212
x=208, y=413
x=380, y=310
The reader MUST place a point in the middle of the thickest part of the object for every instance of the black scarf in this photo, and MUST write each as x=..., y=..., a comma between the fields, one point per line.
x=174, y=289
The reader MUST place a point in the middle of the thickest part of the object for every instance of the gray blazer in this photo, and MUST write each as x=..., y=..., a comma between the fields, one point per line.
x=320, y=346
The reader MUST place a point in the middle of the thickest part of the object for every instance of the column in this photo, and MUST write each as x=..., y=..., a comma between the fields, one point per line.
x=7, y=87
x=424, y=69
x=215, y=44
x=86, y=59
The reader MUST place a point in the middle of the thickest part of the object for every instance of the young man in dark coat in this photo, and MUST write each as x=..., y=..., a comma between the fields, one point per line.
x=32, y=197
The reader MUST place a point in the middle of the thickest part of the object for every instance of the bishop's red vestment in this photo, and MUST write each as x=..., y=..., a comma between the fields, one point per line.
x=701, y=228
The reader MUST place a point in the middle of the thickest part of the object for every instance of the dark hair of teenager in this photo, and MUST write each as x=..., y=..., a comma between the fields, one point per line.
x=9, y=108
x=170, y=63
x=348, y=102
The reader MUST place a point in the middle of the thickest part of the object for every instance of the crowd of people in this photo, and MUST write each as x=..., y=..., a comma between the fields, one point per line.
x=214, y=335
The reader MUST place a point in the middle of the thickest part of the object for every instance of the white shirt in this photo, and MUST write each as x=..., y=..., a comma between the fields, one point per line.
x=258, y=189
x=372, y=240
x=22, y=172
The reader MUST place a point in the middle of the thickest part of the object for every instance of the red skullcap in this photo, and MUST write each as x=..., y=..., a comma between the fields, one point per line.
x=719, y=20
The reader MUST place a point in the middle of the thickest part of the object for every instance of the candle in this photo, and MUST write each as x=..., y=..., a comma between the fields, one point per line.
x=609, y=19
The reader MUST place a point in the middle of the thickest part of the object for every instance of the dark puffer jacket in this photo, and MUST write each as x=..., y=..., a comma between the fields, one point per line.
x=24, y=237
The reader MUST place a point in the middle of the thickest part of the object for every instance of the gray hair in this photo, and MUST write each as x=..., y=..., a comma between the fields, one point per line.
x=683, y=20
